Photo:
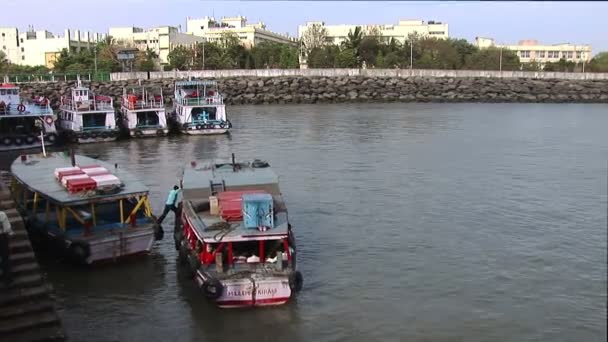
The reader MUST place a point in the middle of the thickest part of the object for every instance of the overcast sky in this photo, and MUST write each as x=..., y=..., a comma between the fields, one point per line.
x=507, y=22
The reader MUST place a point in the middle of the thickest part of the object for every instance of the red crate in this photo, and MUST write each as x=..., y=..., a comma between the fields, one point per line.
x=62, y=174
x=82, y=184
x=236, y=195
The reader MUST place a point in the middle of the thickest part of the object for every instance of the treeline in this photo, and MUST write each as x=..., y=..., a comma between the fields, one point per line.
x=360, y=49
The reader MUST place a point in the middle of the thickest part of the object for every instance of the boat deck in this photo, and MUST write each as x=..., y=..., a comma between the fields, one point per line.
x=37, y=173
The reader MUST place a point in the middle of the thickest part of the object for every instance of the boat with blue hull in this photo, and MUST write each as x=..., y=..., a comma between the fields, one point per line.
x=25, y=124
x=84, y=208
x=234, y=234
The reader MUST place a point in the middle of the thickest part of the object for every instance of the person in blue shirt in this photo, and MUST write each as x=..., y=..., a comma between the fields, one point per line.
x=170, y=204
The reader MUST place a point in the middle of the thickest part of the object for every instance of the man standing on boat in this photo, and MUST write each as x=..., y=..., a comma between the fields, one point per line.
x=170, y=204
x=5, y=231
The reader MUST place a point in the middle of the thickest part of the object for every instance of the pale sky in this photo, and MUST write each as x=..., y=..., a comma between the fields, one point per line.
x=507, y=22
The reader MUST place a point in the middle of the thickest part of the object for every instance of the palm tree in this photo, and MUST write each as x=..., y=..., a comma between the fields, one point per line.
x=353, y=39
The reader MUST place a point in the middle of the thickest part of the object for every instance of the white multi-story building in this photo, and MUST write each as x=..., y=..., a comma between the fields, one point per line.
x=336, y=34
x=159, y=39
x=248, y=34
x=41, y=47
x=532, y=51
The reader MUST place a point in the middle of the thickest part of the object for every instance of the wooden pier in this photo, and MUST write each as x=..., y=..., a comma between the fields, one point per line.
x=27, y=309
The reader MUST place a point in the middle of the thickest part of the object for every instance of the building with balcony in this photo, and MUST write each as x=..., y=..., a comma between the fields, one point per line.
x=530, y=51
x=34, y=48
x=249, y=34
x=161, y=39
x=336, y=34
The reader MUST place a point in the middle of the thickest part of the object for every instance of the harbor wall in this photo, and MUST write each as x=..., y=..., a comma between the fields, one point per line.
x=443, y=87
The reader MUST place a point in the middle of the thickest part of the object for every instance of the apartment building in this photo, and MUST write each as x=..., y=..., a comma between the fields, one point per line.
x=248, y=34
x=336, y=34
x=42, y=47
x=533, y=51
x=160, y=39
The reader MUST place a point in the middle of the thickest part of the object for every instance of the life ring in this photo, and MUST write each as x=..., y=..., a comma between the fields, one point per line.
x=296, y=281
x=139, y=133
x=18, y=141
x=52, y=137
x=30, y=139
x=212, y=288
x=104, y=135
x=93, y=135
x=84, y=136
x=222, y=125
x=7, y=141
x=80, y=251
x=21, y=107
x=49, y=120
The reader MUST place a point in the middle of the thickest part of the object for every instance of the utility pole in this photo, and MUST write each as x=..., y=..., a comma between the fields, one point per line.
x=411, y=54
x=500, y=60
x=204, y=41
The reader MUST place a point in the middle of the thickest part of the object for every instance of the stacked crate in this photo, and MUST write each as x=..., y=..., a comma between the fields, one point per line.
x=231, y=203
x=82, y=178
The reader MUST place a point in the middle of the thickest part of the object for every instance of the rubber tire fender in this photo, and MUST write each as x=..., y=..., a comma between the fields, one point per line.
x=80, y=251
x=296, y=281
x=212, y=288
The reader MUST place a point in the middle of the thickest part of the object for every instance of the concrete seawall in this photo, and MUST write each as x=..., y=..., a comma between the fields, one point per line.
x=354, y=85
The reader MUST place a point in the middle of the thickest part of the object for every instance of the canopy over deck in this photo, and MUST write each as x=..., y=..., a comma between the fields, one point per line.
x=206, y=83
x=198, y=178
x=37, y=173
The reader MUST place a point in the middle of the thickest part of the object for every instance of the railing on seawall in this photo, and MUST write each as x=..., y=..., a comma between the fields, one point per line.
x=405, y=73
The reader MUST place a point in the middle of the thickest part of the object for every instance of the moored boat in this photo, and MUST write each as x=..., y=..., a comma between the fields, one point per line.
x=87, y=209
x=143, y=111
x=234, y=235
x=23, y=124
x=198, y=108
x=86, y=117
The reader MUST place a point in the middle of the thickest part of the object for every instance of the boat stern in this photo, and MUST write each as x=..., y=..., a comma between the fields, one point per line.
x=251, y=291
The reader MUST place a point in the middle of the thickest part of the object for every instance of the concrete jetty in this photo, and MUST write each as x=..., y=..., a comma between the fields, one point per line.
x=27, y=309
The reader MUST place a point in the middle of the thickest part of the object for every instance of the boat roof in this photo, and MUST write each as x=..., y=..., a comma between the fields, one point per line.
x=197, y=178
x=196, y=82
x=8, y=85
x=37, y=173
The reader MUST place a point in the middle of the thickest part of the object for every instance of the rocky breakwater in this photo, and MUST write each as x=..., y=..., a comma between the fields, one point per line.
x=270, y=90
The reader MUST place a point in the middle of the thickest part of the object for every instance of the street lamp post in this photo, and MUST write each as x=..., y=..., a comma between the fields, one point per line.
x=500, y=60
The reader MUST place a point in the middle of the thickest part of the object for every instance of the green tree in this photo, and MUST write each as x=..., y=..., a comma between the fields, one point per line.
x=353, y=39
x=346, y=59
x=532, y=66
x=180, y=58
x=314, y=37
x=4, y=63
x=146, y=60
x=489, y=59
x=324, y=57
x=368, y=50
x=599, y=63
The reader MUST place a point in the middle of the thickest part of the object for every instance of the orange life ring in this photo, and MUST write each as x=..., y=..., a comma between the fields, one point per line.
x=21, y=107
x=49, y=120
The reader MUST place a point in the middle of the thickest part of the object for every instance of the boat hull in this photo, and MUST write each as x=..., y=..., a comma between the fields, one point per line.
x=209, y=131
x=152, y=132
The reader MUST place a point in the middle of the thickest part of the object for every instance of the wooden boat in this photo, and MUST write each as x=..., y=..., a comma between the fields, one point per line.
x=199, y=109
x=24, y=124
x=87, y=209
x=235, y=236
x=143, y=111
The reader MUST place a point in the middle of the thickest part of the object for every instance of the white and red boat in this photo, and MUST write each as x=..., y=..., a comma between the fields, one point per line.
x=235, y=236
x=143, y=111
x=86, y=117
x=23, y=123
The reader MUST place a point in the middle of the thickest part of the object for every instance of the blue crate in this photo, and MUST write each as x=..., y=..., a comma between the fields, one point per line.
x=257, y=211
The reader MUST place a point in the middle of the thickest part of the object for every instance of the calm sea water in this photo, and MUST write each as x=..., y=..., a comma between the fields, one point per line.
x=417, y=222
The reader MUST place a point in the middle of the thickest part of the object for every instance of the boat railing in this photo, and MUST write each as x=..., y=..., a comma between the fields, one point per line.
x=200, y=101
x=132, y=103
x=94, y=104
x=24, y=109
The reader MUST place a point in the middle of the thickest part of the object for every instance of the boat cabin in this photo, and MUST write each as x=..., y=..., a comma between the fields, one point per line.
x=82, y=99
x=88, y=200
x=235, y=218
x=11, y=103
x=143, y=107
x=197, y=93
